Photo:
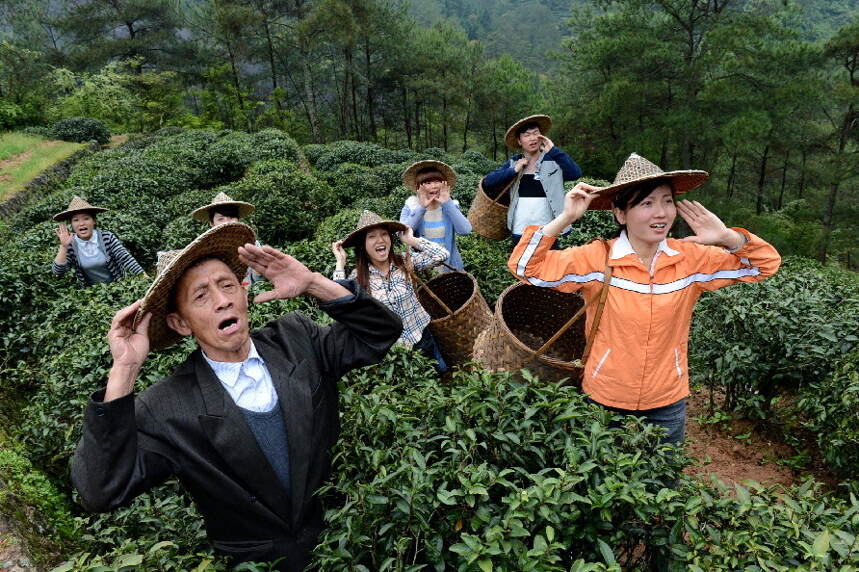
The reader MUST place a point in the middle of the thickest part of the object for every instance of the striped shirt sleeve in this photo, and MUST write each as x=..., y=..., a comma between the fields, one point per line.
x=118, y=252
x=568, y=270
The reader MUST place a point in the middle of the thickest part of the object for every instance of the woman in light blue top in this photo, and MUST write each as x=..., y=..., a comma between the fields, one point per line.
x=431, y=213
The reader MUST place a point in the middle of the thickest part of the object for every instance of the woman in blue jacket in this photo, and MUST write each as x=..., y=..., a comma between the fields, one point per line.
x=431, y=213
x=538, y=175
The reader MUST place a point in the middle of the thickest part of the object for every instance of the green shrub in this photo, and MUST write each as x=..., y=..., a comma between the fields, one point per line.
x=169, y=131
x=828, y=408
x=352, y=182
x=313, y=152
x=80, y=129
x=288, y=203
x=755, y=342
x=336, y=227
x=367, y=154
x=388, y=207
x=184, y=203
x=477, y=162
x=486, y=471
x=275, y=144
x=225, y=160
x=136, y=141
x=180, y=231
x=38, y=130
x=757, y=528
x=391, y=175
x=487, y=261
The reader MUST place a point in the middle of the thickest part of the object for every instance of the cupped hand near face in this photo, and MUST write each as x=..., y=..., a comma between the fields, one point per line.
x=708, y=228
x=408, y=236
x=129, y=345
x=289, y=277
x=576, y=202
x=339, y=252
x=545, y=143
x=64, y=235
x=423, y=196
x=444, y=193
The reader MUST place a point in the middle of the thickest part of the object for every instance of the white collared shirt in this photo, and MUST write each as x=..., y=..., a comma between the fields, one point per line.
x=88, y=248
x=248, y=382
x=622, y=247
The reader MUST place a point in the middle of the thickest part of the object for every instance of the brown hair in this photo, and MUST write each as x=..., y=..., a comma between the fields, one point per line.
x=362, y=260
x=428, y=174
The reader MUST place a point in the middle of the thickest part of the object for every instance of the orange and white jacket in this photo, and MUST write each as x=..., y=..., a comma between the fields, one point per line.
x=638, y=359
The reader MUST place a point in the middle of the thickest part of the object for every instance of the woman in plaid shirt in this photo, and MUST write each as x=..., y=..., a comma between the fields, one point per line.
x=381, y=271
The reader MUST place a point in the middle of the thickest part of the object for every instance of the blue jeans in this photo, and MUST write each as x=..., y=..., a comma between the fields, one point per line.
x=672, y=417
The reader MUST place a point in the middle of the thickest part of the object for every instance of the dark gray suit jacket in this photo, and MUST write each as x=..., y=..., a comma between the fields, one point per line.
x=186, y=426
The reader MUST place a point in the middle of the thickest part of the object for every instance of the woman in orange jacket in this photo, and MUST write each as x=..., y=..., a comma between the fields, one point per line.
x=638, y=358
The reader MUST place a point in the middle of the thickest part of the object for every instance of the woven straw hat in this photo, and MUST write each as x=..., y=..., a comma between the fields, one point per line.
x=511, y=138
x=411, y=173
x=77, y=205
x=366, y=221
x=222, y=200
x=636, y=169
x=222, y=242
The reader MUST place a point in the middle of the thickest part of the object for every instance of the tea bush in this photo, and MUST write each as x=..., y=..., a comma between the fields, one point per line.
x=487, y=470
x=352, y=182
x=757, y=341
x=338, y=226
x=469, y=472
x=828, y=408
x=289, y=203
x=367, y=154
x=39, y=130
x=80, y=129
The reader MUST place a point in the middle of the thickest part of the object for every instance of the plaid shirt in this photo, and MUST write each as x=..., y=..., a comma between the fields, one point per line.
x=396, y=292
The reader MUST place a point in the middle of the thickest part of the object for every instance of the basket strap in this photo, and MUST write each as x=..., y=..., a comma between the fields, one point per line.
x=600, y=307
x=504, y=190
x=416, y=278
x=601, y=297
x=564, y=328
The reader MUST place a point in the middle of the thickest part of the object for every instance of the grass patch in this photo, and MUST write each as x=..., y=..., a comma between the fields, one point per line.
x=22, y=157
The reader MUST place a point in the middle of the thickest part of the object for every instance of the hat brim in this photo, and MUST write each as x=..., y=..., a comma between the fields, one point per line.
x=411, y=173
x=681, y=181
x=511, y=139
x=202, y=213
x=222, y=242
x=391, y=226
x=68, y=214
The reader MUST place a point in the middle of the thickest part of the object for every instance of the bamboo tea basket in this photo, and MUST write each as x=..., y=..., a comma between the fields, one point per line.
x=526, y=317
x=488, y=216
x=469, y=315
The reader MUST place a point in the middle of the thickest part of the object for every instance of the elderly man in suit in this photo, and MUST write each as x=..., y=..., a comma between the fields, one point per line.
x=246, y=423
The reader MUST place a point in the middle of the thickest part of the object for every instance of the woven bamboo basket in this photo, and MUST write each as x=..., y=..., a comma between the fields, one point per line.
x=488, y=217
x=526, y=317
x=455, y=332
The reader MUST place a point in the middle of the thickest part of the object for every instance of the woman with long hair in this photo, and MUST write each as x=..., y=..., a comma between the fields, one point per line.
x=385, y=274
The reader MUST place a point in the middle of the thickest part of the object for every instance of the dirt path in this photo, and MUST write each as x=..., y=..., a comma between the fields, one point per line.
x=735, y=451
x=731, y=459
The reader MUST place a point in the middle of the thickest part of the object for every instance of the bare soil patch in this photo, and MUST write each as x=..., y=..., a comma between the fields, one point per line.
x=740, y=451
x=14, y=161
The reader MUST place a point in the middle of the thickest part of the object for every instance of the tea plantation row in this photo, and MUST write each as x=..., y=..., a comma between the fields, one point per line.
x=482, y=472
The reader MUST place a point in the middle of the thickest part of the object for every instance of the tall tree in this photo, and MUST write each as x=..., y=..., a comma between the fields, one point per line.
x=843, y=116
